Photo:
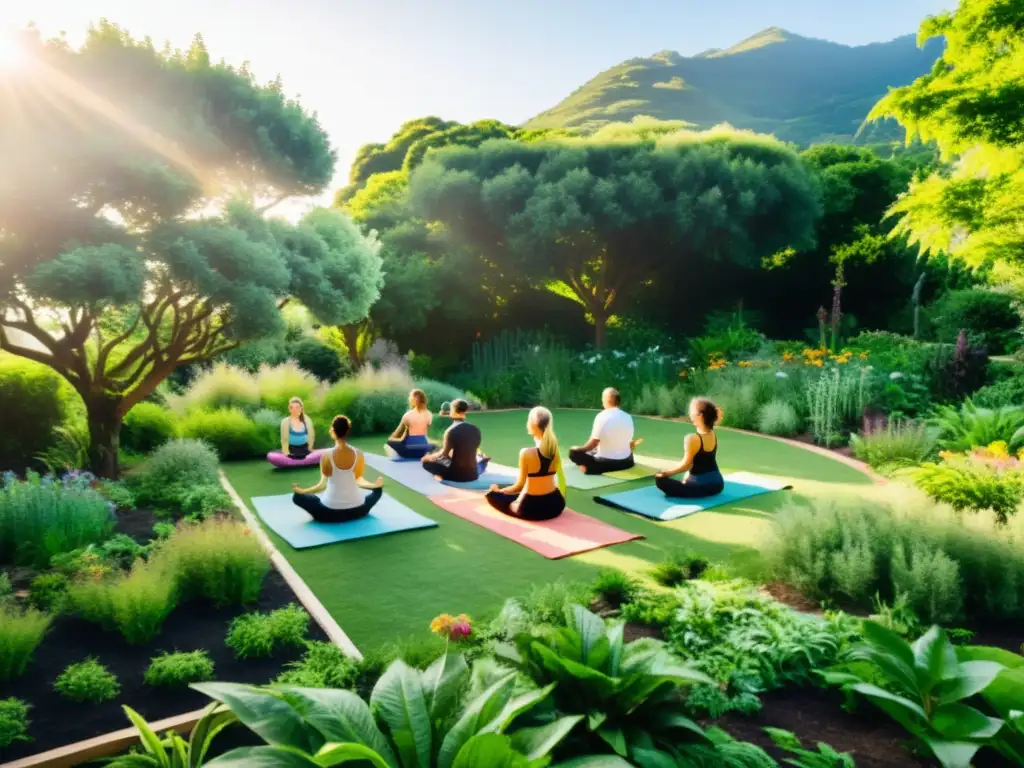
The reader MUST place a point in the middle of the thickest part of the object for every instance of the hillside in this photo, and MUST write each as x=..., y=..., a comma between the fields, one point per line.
x=801, y=89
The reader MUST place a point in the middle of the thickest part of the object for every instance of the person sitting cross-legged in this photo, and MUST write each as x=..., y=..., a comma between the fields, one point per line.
x=700, y=462
x=409, y=440
x=611, y=443
x=537, y=493
x=458, y=458
x=339, y=497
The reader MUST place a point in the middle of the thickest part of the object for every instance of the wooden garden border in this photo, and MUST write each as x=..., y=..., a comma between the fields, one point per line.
x=113, y=743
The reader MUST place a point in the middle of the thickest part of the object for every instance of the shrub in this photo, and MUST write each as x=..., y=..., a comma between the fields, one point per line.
x=377, y=412
x=146, y=427
x=741, y=403
x=834, y=400
x=615, y=587
x=777, y=417
x=250, y=356
x=117, y=493
x=230, y=432
x=218, y=560
x=121, y=551
x=974, y=481
x=654, y=609
x=279, y=384
x=6, y=590
x=258, y=635
x=679, y=567
x=317, y=359
x=900, y=444
x=989, y=318
x=41, y=517
x=13, y=721
x=136, y=604
x=1008, y=392
x=21, y=632
x=438, y=392
x=966, y=427
x=36, y=401
x=203, y=501
x=68, y=450
x=324, y=665
x=172, y=469
x=48, y=592
x=848, y=554
x=177, y=670
x=87, y=681
x=222, y=386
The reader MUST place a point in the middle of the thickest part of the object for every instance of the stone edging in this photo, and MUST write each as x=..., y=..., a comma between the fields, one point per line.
x=309, y=600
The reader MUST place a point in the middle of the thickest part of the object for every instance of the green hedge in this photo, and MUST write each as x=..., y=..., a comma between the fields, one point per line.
x=36, y=401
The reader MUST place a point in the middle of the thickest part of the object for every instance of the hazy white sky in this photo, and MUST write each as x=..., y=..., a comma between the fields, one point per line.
x=365, y=66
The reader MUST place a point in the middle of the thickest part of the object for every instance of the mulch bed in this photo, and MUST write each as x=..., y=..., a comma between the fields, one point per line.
x=56, y=721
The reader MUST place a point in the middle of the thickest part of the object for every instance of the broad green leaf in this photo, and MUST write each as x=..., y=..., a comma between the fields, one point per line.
x=653, y=758
x=973, y=677
x=477, y=714
x=879, y=695
x=341, y=717
x=960, y=721
x=889, y=641
x=903, y=675
x=266, y=714
x=594, y=684
x=489, y=750
x=150, y=741
x=953, y=754
x=1008, y=659
x=264, y=757
x=216, y=719
x=676, y=720
x=595, y=761
x=442, y=682
x=337, y=754
x=536, y=743
x=134, y=761
x=614, y=738
x=615, y=635
x=515, y=707
x=398, y=700
x=935, y=657
x=594, y=720
x=590, y=628
x=1006, y=693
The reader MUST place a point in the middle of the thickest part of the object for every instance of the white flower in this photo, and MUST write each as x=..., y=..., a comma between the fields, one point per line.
x=632, y=364
x=618, y=355
x=895, y=375
x=781, y=375
x=536, y=348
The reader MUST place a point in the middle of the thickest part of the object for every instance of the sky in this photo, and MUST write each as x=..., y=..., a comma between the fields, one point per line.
x=366, y=66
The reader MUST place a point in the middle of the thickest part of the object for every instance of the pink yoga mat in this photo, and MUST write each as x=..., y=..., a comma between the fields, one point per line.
x=568, y=534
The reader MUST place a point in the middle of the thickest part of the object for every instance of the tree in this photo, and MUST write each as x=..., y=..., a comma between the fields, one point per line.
x=596, y=218
x=972, y=105
x=131, y=241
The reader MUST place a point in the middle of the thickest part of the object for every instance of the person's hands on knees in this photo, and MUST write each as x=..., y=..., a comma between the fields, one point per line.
x=494, y=488
x=378, y=483
x=296, y=487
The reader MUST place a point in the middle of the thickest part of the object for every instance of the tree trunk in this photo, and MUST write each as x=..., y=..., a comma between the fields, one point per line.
x=350, y=333
x=600, y=329
x=104, y=416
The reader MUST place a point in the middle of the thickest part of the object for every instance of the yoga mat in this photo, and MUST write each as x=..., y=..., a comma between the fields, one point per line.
x=408, y=473
x=568, y=534
x=295, y=526
x=651, y=502
x=496, y=474
x=284, y=461
x=577, y=478
x=391, y=454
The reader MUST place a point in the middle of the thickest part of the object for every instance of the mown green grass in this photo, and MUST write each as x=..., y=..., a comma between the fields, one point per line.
x=386, y=588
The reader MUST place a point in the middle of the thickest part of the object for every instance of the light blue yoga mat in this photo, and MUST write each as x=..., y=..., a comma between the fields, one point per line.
x=295, y=526
x=496, y=475
x=651, y=502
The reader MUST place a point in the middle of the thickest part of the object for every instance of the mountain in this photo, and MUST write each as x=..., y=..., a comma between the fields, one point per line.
x=801, y=89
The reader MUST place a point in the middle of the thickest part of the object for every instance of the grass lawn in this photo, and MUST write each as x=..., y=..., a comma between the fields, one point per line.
x=390, y=587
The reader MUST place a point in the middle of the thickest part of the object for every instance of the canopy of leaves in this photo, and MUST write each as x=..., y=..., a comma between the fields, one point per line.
x=972, y=105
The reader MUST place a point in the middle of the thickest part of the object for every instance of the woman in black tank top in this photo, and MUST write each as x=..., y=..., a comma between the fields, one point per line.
x=535, y=495
x=701, y=460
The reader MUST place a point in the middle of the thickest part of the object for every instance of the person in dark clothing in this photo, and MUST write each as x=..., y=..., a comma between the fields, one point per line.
x=537, y=494
x=701, y=460
x=458, y=459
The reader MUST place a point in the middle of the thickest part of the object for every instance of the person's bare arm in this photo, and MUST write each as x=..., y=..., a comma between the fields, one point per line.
x=692, y=446
x=446, y=449
x=361, y=481
x=520, y=482
x=325, y=472
x=403, y=427
x=589, y=446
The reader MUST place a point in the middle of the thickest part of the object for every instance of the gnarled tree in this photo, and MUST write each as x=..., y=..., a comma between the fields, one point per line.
x=132, y=239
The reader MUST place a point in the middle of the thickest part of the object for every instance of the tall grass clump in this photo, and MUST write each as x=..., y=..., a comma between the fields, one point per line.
x=901, y=444
x=21, y=632
x=174, y=470
x=219, y=560
x=834, y=400
x=777, y=417
x=231, y=433
x=135, y=604
x=41, y=517
x=946, y=565
x=223, y=386
x=280, y=383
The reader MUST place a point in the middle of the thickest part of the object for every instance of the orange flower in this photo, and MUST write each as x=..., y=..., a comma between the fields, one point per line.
x=787, y=357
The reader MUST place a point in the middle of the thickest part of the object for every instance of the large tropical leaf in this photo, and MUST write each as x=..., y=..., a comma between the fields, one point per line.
x=972, y=677
x=264, y=757
x=615, y=644
x=515, y=707
x=442, y=682
x=216, y=719
x=536, y=743
x=477, y=714
x=398, y=701
x=594, y=645
x=1005, y=694
x=266, y=714
x=341, y=717
x=909, y=713
x=960, y=722
x=953, y=754
x=586, y=683
x=934, y=658
x=653, y=758
x=595, y=761
x=150, y=741
x=489, y=750
x=338, y=754
x=1008, y=659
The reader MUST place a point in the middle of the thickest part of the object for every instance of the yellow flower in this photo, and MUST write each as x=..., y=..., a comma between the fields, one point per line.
x=441, y=623
x=863, y=355
x=745, y=364
x=787, y=357
x=999, y=449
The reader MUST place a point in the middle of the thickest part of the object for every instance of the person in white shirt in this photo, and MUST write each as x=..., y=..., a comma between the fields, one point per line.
x=611, y=443
x=339, y=496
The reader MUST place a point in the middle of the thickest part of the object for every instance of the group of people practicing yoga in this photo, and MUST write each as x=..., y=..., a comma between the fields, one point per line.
x=539, y=490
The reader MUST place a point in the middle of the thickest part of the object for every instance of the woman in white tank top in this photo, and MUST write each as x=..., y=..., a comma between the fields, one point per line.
x=339, y=496
x=409, y=440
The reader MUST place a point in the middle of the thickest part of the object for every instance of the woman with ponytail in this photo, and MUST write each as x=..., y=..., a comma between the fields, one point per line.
x=539, y=493
x=703, y=477
x=297, y=436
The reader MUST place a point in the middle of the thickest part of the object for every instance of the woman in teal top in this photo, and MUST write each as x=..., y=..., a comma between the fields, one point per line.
x=297, y=436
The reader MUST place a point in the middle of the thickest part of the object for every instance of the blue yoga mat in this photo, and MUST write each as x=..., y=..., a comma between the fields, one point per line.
x=485, y=481
x=295, y=526
x=651, y=502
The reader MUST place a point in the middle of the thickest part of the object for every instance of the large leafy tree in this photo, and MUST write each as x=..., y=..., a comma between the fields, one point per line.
x=596, y=218
x=131, y=237
x=972, y=105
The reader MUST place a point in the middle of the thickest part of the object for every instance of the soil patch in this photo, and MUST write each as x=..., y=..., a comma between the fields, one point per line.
x=56, y=721
x=792, y=597
x=138, y=523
